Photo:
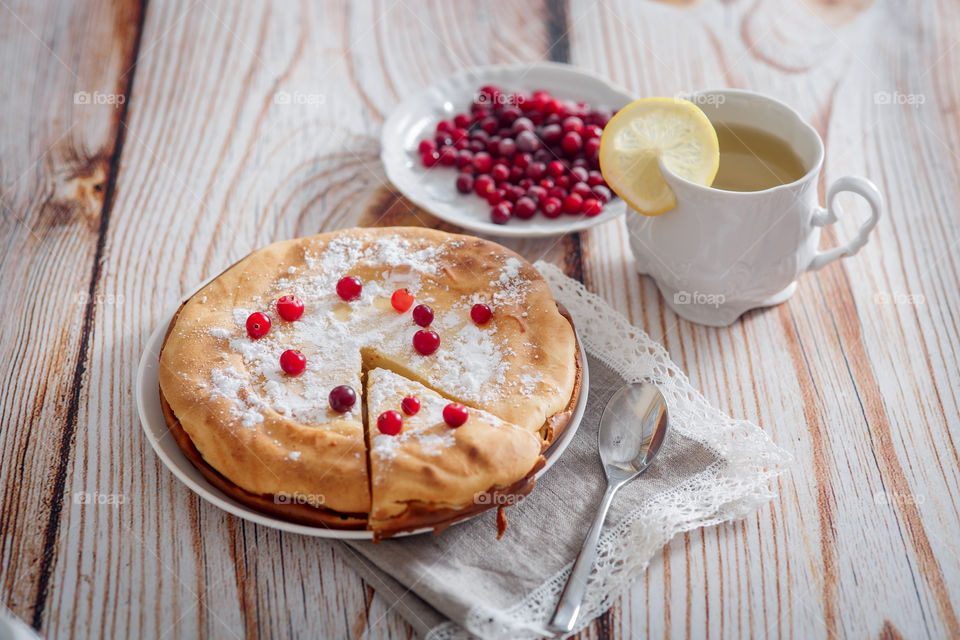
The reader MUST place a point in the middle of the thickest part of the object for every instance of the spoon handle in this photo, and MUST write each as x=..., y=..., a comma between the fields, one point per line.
x=565, y=616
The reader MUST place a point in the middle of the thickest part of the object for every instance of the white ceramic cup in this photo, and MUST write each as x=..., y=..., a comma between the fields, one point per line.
x=720, y=253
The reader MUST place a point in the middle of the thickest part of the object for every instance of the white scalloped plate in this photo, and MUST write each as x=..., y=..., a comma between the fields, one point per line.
x=434, y=190
x=155, y=427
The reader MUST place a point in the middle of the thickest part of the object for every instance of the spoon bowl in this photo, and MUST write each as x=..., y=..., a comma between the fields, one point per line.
x=632, y=429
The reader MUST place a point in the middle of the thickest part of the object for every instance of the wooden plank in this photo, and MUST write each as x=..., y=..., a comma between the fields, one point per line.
x=850, y=385
x=65, y=76
x=214, y=166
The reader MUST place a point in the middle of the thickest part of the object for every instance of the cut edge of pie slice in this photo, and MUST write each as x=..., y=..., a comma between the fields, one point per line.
x=433, y=474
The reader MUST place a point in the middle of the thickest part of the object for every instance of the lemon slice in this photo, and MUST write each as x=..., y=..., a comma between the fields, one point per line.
x=653, y=130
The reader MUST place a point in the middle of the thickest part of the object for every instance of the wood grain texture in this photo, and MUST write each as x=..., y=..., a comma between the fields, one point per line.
x=63, y=72
x=244, y=123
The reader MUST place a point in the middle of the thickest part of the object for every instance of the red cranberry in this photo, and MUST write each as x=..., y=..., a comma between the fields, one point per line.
x=525, y=209
x=349, y=288
x=547, y=183
x=448, y=156
x=443, y=140
x=516, y=174
x=571, y=143
x=410, y=405
x=465, y=158
x=401, y=300
x=455, y=414
x=521, y=124
x=591, y=147
x=481, y=313
x=489, y=125
x=258, y=324
x=602, y=193
x=500, y=172
x=429, y=158
x=390, y=423
x=426, y=146
x=509, y=115
x=557, y=192
x=496, y=197
x=292, y=362
x=525, y=183
x=458, y=133
x=484, y=185
x=444, y=126
x=592, y=207
x=342, y=398
x=542, y=155
x=536, y=170
x=482, y=162
x=462, y=144
x=528, y=141
x=423, y=315
x=595, y=178
x=522, y=160
x=462, y=120
x=501, y=213
x=601, y=117
x=572, y=124
x=464, y=183
x=426, y=342
x=476, y=146
x=572, y=204
x=489, y=94
x=290, y=308
x=538, y=193
x=554, y=107
x=592, y=131
x=552, y=207
x=582, y=189
x=581, y=162
x=552, y=133
x=540, y=97
x=555, y=169
x=513, y=192
x=579, y=173
x=507, y=147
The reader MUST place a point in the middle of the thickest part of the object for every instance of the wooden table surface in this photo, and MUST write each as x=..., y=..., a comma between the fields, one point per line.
x=142, y=149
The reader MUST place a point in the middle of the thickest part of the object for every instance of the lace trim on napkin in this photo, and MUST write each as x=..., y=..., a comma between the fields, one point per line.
x=731, y=488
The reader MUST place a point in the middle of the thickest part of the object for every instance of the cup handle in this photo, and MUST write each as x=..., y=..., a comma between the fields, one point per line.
x=825, y=216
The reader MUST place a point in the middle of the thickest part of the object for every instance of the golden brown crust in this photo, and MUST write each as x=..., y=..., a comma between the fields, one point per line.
x=254, y=466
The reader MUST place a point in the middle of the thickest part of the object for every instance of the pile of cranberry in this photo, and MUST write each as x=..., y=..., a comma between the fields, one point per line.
x=524, y=153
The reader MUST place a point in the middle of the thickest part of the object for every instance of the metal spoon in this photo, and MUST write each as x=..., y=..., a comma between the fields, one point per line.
x=632, y=428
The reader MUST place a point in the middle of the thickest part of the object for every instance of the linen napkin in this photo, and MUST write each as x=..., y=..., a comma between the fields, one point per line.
x=710, y=469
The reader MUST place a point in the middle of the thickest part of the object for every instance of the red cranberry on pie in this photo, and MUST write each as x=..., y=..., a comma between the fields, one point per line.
x=290, y=308
x=390, y=422
x=292, y=362
x=258, y=324
x=455, y=414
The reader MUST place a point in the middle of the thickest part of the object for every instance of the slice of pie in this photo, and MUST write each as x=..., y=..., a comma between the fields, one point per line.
x=432, y=471
x=251, y=362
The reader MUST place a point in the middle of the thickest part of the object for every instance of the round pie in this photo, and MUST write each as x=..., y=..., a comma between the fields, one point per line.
x=454, y=369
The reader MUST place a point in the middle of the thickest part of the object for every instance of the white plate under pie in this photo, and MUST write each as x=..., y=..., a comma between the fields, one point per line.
x=434, y=189
x=155, y=427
